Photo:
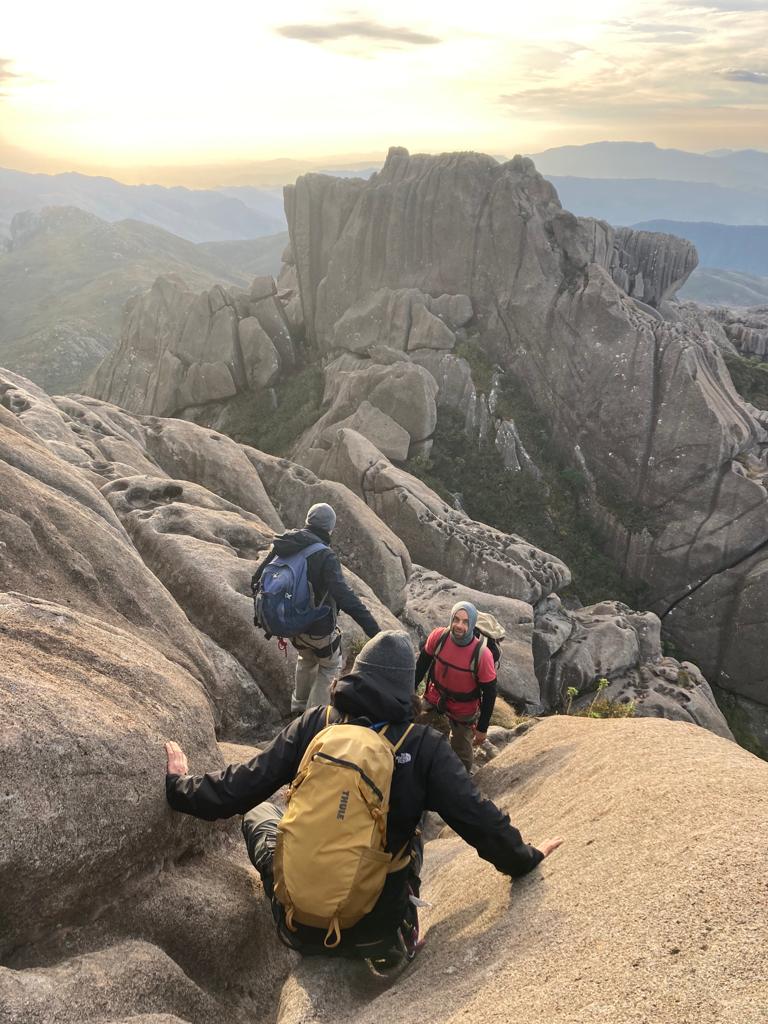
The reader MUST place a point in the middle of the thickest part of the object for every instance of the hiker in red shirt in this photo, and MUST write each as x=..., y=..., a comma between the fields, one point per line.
x=461, y=681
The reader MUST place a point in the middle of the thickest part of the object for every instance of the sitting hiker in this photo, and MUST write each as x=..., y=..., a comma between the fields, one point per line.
x=362, y=774
x=326, y=592
x=461, y=681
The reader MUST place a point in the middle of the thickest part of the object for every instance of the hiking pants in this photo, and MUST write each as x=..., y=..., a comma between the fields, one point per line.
x=260, y=834
x=318, y=664
x=462, y=735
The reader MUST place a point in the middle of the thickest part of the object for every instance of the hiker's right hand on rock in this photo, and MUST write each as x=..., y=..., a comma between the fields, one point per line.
x=177, y=759
x=549, y=845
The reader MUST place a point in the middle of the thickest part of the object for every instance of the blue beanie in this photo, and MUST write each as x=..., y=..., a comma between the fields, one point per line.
x=465, y=606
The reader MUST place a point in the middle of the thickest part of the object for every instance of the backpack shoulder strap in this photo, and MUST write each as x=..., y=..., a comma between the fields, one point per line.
x=396, y=746
x=480, y=646
x=310, y=549
x=441, y=643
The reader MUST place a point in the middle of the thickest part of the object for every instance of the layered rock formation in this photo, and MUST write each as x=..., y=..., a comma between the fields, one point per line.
x=191, y=513
x=128, y=546
x=641, y=405
x=179, y=350
x=651, y=266
x=747, y=329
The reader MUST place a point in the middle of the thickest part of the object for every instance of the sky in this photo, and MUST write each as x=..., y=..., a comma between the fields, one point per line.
x=98, y=87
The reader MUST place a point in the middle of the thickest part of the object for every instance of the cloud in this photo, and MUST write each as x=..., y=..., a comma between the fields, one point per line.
x=724, y=5
x=744, y=75
x=6, y=75
x=658, y=32
x=359, y=29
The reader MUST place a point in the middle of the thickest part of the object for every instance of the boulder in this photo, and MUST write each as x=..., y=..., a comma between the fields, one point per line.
x=260, y=358
x=652, y=266
x=429, y=331
x=388, y=436
x=189, y=452
x=439, y=537
x=402, y=391
x=362, y=541
x=87, y=706
x=637, y=399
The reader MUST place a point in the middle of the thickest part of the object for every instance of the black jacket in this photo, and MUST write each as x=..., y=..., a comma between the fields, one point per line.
x=427, y=776
x=324, y=574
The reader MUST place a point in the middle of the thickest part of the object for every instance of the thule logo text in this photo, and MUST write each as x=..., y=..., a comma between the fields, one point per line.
x=344, y=800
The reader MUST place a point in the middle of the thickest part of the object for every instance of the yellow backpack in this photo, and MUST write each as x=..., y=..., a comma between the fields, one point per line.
x=330, y=863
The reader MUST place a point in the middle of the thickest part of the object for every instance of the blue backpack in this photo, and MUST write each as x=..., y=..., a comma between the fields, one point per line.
x=282, y=598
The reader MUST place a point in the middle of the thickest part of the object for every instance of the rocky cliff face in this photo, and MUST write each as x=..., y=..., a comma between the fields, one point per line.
x=640, y=403
x=180, y=349
x=127, y=548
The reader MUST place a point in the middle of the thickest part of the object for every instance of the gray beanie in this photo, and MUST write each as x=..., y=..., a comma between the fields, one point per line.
x=381, y=684
x=321, y=515
x=389, y=653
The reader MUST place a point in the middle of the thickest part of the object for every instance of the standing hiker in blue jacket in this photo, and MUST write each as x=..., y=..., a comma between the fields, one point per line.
x=319, y=661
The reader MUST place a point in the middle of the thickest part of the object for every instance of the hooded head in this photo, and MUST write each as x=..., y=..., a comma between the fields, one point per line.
x=463, y=622
x=321, y=516
x=381, y=684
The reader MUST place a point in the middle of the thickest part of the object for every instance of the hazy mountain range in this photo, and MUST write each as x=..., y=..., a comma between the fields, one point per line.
x=625, y=201
x=199, y=215
x=740, y=169
x=68, y=274
x=720, y=245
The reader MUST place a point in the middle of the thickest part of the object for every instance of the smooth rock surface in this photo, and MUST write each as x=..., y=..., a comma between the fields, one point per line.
x=437, y=536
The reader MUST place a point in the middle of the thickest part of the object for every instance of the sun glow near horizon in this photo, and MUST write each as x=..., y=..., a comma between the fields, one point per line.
x=170, y=84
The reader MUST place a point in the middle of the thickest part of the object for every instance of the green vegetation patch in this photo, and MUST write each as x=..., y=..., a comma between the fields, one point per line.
x=750, y=378
x=249, y=417
x=481, y=366
x=548, y=512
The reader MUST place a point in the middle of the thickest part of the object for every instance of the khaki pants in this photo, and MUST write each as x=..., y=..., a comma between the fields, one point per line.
x=314, y=674
x=461, y=734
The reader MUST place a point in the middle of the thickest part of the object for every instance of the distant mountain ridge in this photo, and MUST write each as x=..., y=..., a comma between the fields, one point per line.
x=711, y=286
x=735, y=247
x=68, y=274
x=199, y=215
x=741, y=169
x=626, y=201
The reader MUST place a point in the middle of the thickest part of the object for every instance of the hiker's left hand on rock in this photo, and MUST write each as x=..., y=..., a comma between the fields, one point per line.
x=479, y=738
x=177, y=759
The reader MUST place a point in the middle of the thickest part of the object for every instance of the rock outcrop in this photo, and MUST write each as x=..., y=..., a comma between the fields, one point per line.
x=437, y=536
x=747, y=329
x=574, y=651
x=649, y=810
x=640, y=404
x=127, y=549
x=180, y=350
x=651, y=266
x=156, y=526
